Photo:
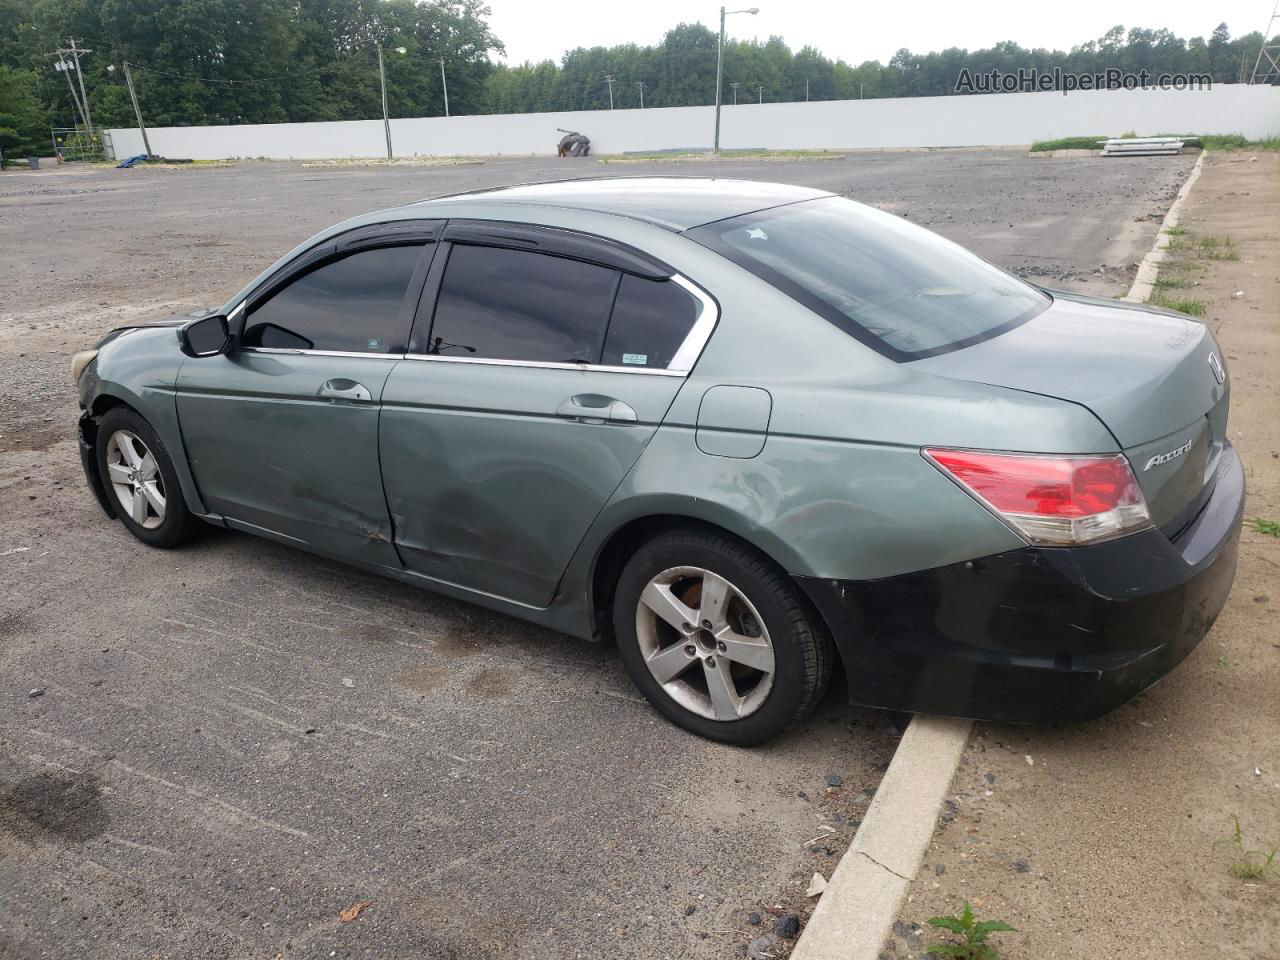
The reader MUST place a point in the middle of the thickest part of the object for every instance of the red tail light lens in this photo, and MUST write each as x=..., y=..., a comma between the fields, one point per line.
x=1052, y=500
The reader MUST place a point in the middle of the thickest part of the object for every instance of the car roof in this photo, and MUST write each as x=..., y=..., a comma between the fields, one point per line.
x=676, y=203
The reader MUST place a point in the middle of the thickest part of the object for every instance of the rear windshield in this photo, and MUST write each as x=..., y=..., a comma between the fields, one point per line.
x=899, y=288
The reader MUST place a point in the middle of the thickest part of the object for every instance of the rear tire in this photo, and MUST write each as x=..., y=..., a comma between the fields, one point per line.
x=141, y=482
x=718, y=638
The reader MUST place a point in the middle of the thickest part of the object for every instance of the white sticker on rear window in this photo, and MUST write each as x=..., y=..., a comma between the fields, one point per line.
x=640, y=358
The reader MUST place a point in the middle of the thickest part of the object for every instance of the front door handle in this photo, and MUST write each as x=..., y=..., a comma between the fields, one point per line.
x=596, y=408
x=343, y=389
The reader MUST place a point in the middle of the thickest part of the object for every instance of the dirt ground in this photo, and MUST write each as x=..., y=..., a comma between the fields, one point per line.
x=197, y=778
x=1111, y=839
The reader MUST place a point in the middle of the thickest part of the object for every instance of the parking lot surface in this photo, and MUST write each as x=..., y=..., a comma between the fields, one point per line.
x=213, y=752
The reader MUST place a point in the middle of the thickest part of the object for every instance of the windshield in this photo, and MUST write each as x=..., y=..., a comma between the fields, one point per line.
x=901, y=289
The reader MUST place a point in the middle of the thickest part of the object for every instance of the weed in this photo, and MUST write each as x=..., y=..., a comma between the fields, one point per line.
x=1177, y=231
x=1222, y=661
x=1270, y=527
x=974, y=946
x=1250, y=864
x=1068, y=143
x=1217, y=248
x=1187, y=305
x=1172, y=281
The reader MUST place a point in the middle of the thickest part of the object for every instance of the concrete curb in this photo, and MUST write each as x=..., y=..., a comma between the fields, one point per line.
x=865, y=894
x=1144, y=282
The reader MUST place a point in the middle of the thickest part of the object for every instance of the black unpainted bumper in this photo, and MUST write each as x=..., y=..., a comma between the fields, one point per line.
x=1038, y=634
x=86, y=433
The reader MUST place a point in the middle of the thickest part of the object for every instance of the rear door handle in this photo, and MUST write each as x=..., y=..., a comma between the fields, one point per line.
x=596, y=408
x=343, y=389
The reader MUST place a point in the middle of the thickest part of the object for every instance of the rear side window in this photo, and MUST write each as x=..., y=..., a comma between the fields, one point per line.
x=651, y=318
x=350, y=305
x=501, y=304
x=899, y=288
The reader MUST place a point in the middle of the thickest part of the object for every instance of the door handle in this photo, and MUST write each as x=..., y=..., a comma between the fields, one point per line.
x=596, y=408
x=343, y=389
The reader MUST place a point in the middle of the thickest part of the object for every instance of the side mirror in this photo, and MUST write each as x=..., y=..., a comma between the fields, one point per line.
x=205, y=337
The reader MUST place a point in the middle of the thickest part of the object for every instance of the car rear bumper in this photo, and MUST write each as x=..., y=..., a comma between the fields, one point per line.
x=1039, y=634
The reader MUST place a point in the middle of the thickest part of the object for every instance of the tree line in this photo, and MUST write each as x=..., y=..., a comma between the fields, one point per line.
x=274, y=61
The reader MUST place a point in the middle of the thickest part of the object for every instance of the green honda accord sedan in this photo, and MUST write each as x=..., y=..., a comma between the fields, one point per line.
x=749, y=433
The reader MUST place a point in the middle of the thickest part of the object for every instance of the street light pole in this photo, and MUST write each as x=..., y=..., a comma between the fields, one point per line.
x=640, y=87
x=735, y=86
x=720, y=68
x=759, y=93
x=386, y=119
x=137, y=111
x=382, y=77
x=445, y=86
x=609, y=80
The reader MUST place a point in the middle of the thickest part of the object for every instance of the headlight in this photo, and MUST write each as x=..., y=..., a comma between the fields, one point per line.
x=80, y=361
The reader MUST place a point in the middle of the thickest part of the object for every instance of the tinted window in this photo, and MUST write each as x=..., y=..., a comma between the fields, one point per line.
x=650, y=320
x=903, y=289
x=514, y=305
x=351, y=305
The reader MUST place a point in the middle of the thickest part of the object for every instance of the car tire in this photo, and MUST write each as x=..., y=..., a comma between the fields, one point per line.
x=759, y=606
x=160, y=518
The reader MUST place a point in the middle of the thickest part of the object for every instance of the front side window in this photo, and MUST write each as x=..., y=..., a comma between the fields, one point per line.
x=350, y=305
x=901, y=289
x=502, y=304
x=650, y=320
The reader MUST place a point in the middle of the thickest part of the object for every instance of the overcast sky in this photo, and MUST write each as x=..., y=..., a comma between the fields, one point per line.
x=857, y=31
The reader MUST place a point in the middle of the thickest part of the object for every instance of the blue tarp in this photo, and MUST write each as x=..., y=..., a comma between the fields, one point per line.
x=130, y=161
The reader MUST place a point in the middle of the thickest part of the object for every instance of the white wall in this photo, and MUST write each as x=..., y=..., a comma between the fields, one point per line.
x=983, y=120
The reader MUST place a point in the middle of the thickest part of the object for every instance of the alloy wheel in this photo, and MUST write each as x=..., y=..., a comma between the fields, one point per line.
x=135, y=477
x=704, y=642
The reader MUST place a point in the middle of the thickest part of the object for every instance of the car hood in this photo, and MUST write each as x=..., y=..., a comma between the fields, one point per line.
x=1144, y=372
x=176, y=320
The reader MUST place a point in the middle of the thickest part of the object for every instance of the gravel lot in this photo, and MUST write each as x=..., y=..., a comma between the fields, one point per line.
x=235, y=742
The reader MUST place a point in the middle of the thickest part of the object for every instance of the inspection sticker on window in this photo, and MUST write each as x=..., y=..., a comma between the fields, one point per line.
x=640, y=358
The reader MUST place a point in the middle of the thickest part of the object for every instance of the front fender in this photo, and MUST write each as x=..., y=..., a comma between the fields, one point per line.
x=139, y=367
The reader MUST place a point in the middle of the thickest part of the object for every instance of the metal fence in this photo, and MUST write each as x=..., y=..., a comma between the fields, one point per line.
x=77, y=143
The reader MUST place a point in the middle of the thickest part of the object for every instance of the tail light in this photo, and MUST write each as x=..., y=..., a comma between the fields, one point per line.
x=1051, y=500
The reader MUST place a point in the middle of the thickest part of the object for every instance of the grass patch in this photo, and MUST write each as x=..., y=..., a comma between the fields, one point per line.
x=1177, y=231
x=1249, y=864
x=1270, y=527
x=1187, y=305
x=1217, y=248
x=1172, y=281
x=1068, y=143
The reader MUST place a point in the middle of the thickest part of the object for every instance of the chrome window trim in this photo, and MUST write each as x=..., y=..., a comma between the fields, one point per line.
x=549, y=365
x=325, y=353
x=694, y=342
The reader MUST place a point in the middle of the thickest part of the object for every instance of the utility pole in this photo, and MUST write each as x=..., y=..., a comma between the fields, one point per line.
x=640, y=87
x=386, y=119
x=445, y=85
x=609, y=80
x=806, y=90
x=84, y=97
x=65, y=69
x=759, y=93
x=735, y=86
x=720, y=68
x=64, y=65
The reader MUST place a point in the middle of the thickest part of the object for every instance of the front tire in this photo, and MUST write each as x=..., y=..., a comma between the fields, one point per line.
x=140, y=480
x=718, y=638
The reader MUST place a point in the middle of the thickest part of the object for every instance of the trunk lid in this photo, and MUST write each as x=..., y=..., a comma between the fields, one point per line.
x=1145, y=373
